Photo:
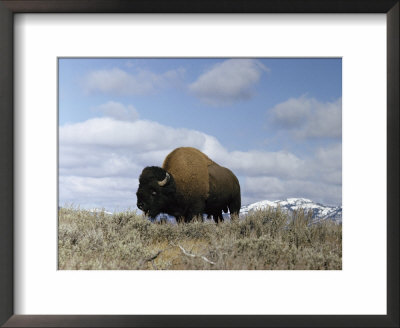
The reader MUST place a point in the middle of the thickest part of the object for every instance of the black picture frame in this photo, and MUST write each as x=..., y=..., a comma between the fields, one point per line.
x=10, y=7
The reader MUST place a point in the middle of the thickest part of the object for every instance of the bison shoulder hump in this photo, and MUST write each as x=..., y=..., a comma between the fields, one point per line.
x=189, y=167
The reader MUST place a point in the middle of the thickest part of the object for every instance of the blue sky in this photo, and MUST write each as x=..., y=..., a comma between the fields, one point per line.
x=275, y=122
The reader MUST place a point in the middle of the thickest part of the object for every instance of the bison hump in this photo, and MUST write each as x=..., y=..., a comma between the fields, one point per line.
x=189, y=167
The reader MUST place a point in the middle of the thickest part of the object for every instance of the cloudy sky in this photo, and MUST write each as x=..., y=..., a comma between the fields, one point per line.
x=276, y=123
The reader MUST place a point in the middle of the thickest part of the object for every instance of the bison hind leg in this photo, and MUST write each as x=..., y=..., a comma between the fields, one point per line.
x=234, y=207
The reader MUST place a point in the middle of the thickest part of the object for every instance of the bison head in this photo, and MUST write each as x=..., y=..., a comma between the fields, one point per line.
x=156, y=191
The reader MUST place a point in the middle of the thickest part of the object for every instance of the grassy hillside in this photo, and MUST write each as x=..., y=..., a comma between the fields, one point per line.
x=264, y=240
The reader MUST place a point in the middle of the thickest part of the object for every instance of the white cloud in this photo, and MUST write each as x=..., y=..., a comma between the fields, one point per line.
x=272, y=188
x=118, y=111
x=229, y=81
x=293, y=112
x=111, y=193
x=81, y=160
x=119, y=82
x=328, y=161
x=309, y=118
x=318, y=178
x=330, y=157
x=258, y=163
x=101, y=159
x=141, y=135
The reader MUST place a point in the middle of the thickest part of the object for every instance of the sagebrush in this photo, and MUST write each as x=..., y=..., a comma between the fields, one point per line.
x=263, y=240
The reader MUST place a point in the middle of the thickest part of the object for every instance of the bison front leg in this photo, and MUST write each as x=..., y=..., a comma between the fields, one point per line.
x=196, y=208
x=180, y=219
x=217, y=216
x=190, y=216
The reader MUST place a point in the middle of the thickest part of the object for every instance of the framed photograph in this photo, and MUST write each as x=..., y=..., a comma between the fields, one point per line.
x=162, y=163
x=259, y=186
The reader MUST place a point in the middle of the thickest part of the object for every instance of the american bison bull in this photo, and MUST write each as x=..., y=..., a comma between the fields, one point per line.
x=188, y=184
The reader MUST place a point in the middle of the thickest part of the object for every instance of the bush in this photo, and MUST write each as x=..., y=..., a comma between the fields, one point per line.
x=263, y=240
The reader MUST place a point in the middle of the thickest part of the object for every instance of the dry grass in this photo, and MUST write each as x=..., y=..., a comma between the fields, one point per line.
x=264, y=240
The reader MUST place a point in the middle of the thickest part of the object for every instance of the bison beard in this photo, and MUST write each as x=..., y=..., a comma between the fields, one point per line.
x=188, y=184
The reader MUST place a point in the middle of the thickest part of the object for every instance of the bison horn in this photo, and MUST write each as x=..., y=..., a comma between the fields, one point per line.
x=165, y=181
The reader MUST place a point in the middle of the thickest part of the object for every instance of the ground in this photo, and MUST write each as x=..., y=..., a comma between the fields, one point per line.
x=263, y=240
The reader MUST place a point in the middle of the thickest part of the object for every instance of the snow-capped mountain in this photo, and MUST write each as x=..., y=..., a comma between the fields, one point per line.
x=319, y=212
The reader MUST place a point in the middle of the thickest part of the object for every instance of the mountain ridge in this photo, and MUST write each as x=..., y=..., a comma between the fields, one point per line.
x=319, y=211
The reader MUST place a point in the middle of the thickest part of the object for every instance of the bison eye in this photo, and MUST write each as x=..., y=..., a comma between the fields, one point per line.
x=154, y=193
